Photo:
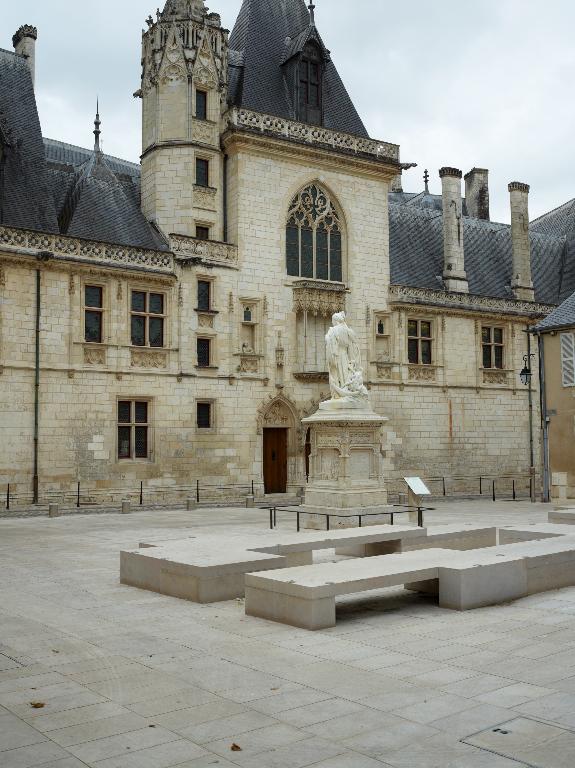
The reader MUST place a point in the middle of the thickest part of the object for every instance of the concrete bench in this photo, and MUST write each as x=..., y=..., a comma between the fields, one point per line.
x=212, y=569
x=306, y=596
x=459, y=537
x=565, y=516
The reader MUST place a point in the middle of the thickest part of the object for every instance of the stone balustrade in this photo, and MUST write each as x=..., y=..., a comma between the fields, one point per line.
x=312, y=134
x=211, y=251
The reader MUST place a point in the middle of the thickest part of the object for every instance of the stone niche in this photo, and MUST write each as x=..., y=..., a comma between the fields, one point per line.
x=346, y=467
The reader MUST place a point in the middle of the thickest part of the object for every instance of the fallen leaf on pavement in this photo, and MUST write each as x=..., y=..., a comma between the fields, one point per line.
x=236, y=748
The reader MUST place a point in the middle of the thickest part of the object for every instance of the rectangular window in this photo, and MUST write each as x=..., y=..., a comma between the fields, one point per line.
x=133, y=429
x=202, y=233
x=147, y=319
x=492, y=347
x=93, y=314
x=204, y=295
x=204, y=415
x=201, y=105
x=202, y=172
x=419, y=342
x=204, y=347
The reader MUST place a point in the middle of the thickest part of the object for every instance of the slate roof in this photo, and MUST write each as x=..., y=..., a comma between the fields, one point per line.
x=562, y=317
x=416, y=253
x=265, y=33
x=25, y=199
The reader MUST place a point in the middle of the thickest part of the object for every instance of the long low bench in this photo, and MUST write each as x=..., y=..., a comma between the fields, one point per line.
x=208, y=569
x=306, y=596
x=564, y=515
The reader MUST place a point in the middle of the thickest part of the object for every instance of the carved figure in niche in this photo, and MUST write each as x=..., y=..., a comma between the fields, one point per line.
x=344, y=365
x=246, y=349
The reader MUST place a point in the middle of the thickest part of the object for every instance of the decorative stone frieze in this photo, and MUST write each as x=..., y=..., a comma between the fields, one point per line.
x=425, y=373
x=208, y=251
x=249, y=364
x=312, y=377
x=311, y=134
x=147, y=358
x=317, y=298
x=400, y=294
x=94, y=355
x=87, y=250
x=205, y=198
x=204, y=132
x=496, y=377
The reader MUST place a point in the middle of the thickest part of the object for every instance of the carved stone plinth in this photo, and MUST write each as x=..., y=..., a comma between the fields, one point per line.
x=346, y=467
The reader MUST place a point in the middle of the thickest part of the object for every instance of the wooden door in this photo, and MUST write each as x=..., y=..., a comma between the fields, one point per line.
x=275, y=460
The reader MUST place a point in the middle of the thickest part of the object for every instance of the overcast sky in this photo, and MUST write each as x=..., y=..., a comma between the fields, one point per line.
x=487, y=83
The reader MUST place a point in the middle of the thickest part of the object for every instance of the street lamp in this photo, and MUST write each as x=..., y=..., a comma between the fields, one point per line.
x=526, y=374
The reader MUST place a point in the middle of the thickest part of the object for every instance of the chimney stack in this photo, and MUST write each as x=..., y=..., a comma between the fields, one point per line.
x=521, y=282
x=453, y=253
x=24, y=42
x=477, y=193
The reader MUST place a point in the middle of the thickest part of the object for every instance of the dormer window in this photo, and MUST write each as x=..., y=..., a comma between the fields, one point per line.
x=310, y=82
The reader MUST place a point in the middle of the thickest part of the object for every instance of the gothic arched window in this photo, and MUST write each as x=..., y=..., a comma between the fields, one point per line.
x=310, y=85
x=313, y=237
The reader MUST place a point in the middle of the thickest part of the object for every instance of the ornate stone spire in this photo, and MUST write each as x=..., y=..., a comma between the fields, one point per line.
x=97, y=131
x=311, y=8
x=184, y=9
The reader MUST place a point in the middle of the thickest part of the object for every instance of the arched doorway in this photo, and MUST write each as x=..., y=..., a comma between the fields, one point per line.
x=279, y=444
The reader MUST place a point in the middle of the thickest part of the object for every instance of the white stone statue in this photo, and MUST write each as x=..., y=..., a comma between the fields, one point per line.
x=344, y=367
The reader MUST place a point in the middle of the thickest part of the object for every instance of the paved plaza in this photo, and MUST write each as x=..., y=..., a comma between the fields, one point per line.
x=93, y=673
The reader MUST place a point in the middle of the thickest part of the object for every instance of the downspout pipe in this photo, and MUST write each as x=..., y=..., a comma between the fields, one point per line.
x=43, y=256
x=225, y=201
x=544, y=420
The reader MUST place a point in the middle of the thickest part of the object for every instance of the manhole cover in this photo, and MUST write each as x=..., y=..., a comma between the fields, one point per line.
x=530, y=742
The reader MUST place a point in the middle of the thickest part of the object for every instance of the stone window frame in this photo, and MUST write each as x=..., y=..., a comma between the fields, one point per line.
x=433, y=339
x=212, y=338
x=296, y=201
x=206, y=94
x=87, y=282
x=202, y=278
x=205, y=159
x=135, y=287
x=132, y=399
x=212, y=429
x=504, y=346
x=206, y=226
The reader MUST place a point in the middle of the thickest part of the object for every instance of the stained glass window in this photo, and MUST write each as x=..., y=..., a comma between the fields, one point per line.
x=313, y=237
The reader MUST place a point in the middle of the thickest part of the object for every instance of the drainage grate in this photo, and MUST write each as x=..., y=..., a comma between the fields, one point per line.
x=528, y=742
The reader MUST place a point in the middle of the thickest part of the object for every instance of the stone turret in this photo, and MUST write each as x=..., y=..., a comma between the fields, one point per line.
x=184, y=93
x=454, y=274
x=24, y=42
x=521, y=281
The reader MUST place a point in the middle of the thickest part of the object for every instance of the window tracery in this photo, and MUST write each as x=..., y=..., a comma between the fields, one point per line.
x=314, y=237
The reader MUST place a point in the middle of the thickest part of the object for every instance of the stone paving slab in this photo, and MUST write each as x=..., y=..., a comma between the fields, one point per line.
x=399, y=682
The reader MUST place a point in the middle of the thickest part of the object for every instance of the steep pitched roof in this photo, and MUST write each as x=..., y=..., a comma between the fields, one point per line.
x=562, y=317
x=560, y=222
x=416, y=254
x=265, y=33
x=25, y=199
x=98, y=198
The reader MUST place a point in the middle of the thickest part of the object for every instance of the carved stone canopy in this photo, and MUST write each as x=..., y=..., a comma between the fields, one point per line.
x=318, y=298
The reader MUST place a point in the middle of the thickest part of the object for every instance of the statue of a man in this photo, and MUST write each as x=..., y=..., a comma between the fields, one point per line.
x=344, y=361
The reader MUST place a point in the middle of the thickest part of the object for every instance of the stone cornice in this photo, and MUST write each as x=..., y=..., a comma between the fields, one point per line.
x=87, y=252
x=312, y=141
x=191, y=250
x=455, y=172
x=444, y=301
x=26, y=30
x=519, y=186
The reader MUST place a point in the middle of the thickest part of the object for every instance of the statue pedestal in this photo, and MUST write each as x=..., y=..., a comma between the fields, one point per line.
x=346, y=465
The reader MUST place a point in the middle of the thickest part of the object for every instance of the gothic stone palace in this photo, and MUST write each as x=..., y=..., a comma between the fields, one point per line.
x=166, y=322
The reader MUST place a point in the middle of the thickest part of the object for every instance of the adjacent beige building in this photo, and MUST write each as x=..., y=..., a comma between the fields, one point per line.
x=166, y=324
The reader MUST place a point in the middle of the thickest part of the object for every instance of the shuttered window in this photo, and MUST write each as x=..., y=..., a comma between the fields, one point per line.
x=568, y=359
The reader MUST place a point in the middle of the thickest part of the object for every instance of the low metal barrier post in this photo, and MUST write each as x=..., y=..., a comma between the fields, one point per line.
x=481, y=486
x=8, y=497
x=444, y=490
x=494, y=490
x=198, y=491
x=514, y=494
x=298, y=521
x=141, y=493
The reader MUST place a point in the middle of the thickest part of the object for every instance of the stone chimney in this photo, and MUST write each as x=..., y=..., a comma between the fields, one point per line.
x=24, y=42
x=477, y=193
x=453, y=254
x=521, y=282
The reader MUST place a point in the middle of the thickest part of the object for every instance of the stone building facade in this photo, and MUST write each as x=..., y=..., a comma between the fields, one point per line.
x=166, y=324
